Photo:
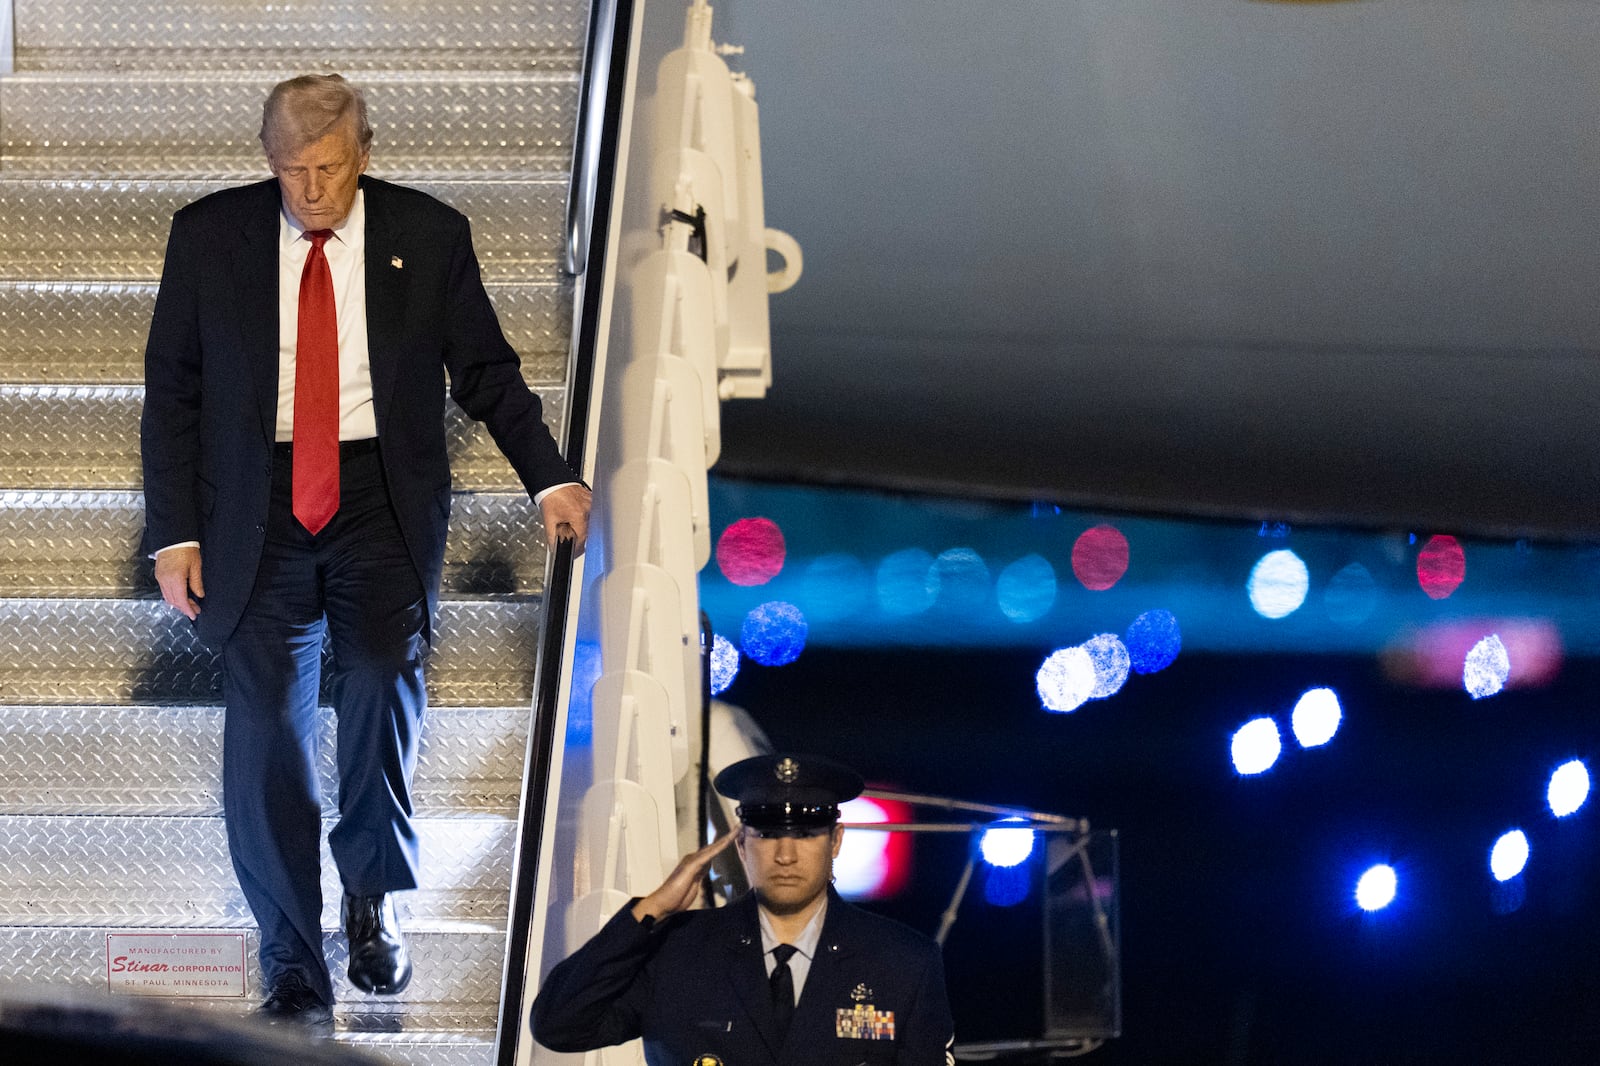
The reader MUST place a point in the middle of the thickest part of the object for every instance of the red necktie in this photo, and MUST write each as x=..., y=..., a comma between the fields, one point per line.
x=316, y=392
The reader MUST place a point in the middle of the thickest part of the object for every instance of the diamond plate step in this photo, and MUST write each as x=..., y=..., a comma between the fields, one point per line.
x=141, y=651
x=103, y=230
x=134, y=872
x=418, y=1047
x=87, y=437
x=203, y=123
x=87, y=544
x=397, y=34
x=104, y=760
x=93, y=332
x=456, y=986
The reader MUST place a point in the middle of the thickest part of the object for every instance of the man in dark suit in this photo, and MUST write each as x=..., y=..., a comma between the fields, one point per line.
x=789, y=975
x=293, y=439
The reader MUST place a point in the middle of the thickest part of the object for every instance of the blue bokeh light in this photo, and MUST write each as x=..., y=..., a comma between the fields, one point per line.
x=773, y=634
x=1256, y=746
x=1005, y=844
x=834, y=586
x=1278, y=584
x=1569, y=788
x=1026, y=589
x=1509, y=855
x=1153, y=641
x=960, y=581
x=905, y=584
x=1377, y=887
x=724, y=664
x=1006, y=886
x=1111, y=664
x=1316, y=717
x=1351, y=595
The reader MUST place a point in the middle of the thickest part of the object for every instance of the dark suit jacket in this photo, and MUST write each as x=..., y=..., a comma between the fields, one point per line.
x=211, y=380
x=696, y=985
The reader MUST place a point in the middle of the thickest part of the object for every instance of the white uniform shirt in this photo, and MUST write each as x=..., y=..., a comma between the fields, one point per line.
x=805, y=946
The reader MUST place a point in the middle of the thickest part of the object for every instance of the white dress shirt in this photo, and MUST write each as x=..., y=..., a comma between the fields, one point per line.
x=805, y=946
x=346, y=252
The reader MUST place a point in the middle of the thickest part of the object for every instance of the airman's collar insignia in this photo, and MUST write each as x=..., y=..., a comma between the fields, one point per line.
x=787, y=771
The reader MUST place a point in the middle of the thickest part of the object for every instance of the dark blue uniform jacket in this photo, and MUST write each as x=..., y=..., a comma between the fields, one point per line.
x=694, y=986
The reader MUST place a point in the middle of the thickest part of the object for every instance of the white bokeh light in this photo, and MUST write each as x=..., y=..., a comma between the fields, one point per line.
x=1278, y=584
x=1487, y=667
x=1316, y=717
x=1256, y=746
x=1376, y=888
x=1066, y=679
x=724, y=663
x=1509, y=855
x=1111, y=664
x=1569, y=788
x=1006, y=846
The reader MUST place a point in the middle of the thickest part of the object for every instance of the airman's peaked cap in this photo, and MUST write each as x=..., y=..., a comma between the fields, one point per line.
x=784, y=791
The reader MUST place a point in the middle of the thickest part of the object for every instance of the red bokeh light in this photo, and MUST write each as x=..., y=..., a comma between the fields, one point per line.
x=874, y=865
x=751, y=551
x=1441, y=566
x=1100, y=557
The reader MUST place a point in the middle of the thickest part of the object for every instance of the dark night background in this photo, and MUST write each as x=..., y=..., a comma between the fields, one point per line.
x=1241, y=941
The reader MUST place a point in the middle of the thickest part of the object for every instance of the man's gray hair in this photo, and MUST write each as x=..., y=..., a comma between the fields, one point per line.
x=303, y=110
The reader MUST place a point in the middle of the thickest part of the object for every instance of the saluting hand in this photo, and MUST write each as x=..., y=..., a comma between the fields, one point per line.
x=682, y=886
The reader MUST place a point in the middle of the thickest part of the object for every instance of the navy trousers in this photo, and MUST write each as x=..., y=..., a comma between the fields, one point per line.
x=355, y=583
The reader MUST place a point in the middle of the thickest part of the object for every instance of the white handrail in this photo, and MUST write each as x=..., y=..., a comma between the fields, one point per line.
x=8, y=33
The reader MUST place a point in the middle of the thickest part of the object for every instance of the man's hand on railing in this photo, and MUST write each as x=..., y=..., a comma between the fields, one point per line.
x=566, y=516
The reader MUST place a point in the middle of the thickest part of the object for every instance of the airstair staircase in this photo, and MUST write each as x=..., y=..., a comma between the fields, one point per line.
x=110, y=724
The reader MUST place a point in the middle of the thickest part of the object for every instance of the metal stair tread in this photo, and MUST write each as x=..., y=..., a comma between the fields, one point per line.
x=94, y=650
x=87, y=436
x=457, y=969
x=140, y=759
x=189, y=122
x=165, y=871
x=92, y=331
x=72, y=542
x=145, y=31
x=101, y=229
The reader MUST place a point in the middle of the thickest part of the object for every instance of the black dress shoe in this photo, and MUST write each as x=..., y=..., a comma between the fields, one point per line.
x=379, y=962
x=292, y=1002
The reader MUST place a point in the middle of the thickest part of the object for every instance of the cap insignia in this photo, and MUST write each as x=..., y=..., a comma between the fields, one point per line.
x=787, y=771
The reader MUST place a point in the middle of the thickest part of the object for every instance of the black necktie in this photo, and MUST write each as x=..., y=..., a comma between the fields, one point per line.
x=781, y=984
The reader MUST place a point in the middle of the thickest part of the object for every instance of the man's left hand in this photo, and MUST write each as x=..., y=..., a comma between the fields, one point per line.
x=566, y=516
